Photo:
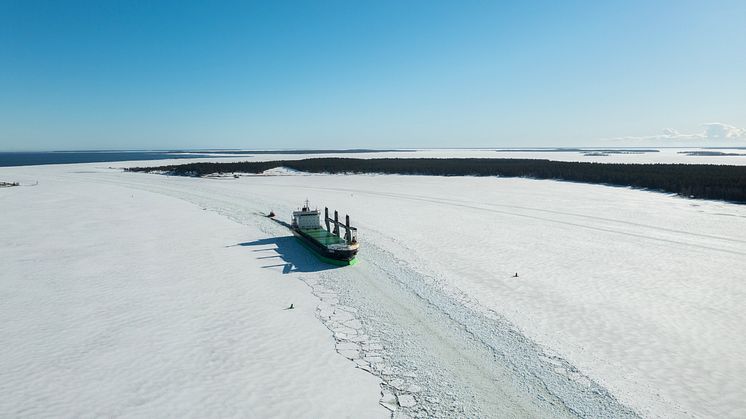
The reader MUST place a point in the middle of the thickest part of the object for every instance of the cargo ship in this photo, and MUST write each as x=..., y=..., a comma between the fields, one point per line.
x=328, y=244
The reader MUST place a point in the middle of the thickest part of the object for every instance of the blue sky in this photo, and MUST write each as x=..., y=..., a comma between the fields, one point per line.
x=273, y=74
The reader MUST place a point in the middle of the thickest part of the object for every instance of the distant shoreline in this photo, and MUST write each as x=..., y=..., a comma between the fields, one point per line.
x=35, y=158
x=702, y=181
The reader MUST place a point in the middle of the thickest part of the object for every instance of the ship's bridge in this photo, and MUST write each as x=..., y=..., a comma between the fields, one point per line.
x=306, y=218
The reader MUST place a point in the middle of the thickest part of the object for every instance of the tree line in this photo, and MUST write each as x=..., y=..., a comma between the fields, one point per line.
x=691, y=180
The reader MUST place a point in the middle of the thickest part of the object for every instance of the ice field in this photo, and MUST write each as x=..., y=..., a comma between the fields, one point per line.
x=139, y=294
x=666, y=155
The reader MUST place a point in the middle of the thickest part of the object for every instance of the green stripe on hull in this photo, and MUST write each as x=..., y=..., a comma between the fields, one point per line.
x=326, y=259
x=335, y=261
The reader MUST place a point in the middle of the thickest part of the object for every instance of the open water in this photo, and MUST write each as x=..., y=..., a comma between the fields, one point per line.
x=64, y=157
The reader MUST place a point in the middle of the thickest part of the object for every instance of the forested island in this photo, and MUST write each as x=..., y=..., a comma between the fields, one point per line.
x=691, y=180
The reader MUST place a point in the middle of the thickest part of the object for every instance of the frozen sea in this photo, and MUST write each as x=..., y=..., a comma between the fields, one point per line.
x=131, y=294
x=691, y=155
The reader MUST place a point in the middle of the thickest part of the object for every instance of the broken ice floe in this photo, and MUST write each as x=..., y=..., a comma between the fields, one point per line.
x=406, y=400
x=367, y=354
x=388, y=400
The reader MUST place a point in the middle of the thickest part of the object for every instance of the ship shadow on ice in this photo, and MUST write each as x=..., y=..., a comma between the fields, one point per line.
x=289, y=254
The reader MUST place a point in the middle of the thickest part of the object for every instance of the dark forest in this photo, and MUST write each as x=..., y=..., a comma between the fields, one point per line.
x=691, y=180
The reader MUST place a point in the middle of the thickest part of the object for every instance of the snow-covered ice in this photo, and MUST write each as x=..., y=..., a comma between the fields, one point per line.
x=632, y=292
x=120, y=302
x=663, y=155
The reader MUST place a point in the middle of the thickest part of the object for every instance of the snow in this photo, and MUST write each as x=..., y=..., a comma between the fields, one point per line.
x=625, y=298
x=281, y=171
x=641, y=291
x=663, y=155
x=119, y=302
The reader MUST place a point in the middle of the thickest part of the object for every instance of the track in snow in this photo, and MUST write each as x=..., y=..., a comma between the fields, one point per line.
x=426, y=342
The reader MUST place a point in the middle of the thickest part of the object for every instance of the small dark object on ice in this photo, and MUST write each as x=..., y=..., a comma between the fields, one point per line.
x=271, y=214
x=235, y=176
x=290, y=308
x=516, y=275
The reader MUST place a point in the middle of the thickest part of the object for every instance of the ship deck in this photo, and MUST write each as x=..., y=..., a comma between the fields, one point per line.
x=324, y=237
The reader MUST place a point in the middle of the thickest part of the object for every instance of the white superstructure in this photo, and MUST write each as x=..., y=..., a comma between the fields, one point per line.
x=306, y=218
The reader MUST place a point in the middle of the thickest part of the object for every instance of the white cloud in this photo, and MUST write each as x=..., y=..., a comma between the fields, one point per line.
x=711, y=132
x=716, y=130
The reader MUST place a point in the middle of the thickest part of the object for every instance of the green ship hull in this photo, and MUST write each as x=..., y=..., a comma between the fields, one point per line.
x=326, y=246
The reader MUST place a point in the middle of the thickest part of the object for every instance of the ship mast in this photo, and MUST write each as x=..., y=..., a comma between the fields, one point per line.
x=350, y=232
